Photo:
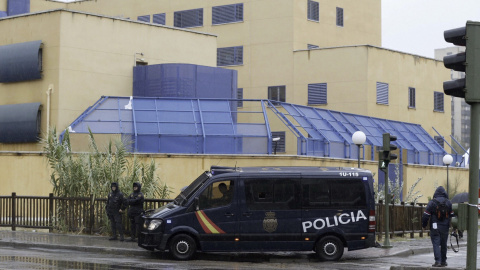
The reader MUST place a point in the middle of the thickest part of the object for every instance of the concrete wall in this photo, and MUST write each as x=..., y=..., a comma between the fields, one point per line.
x=178, y=171
x=87, y=56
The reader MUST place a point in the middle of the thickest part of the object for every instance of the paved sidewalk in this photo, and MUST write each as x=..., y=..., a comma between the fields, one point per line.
x=100, y=244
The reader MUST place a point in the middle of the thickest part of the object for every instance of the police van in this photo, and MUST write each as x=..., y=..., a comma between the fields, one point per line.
x=226, y=209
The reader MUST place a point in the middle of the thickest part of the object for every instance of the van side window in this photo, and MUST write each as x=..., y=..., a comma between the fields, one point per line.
x=216, y=195
x=269, y=194
x=319, y=193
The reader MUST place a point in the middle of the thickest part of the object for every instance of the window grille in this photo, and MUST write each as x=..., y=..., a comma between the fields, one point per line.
x=188, y=18
x=230, y=56
x=313, y=11
x=280, y=143
x=411, y=97
x=439, y=140
x=438, y=101
x=144, y=18
x=339, y=16
x=240, y=96
x=276, y=93
x=317, y=93
x=227, y=14
x=382, y=93
x=159, y=18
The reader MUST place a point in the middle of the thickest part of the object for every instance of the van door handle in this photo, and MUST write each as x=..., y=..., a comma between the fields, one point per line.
x=229, y=214
x=247, y=214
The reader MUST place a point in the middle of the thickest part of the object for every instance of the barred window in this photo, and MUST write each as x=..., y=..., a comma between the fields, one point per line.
x=339, y=16
x=382, y=93
x=317, y=93
x=159, y=18
x=230, y=56
x=313, y=11
x=280, y=143
x=411, y=97
x=439, y=140
x=438, y=101
x=227, y=14
x=276, y=93
x=144, y=18
x=188, y=18
x=240, y=96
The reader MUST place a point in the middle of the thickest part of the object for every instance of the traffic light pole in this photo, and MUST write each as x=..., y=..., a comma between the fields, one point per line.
x=472, y=226
x=386, y=242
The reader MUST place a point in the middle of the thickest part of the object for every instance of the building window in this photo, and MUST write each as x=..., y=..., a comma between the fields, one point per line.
x=438, y=101
x=317, y=93
x=227, y=14
x=239, y=96
x=144, y=18
x=411, y=97
x=188, y=18
x=230, y=56
x=311, y=46
x=382, y=93
x=280, y=143
x=439, y=140
x=276, y=93
x=159, y=18
x=339, y=16
x=313, y=11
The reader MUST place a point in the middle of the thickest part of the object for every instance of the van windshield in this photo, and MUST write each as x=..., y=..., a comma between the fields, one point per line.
x=188, y=192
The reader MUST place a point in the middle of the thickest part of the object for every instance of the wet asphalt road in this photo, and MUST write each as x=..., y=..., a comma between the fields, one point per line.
x=35, y=258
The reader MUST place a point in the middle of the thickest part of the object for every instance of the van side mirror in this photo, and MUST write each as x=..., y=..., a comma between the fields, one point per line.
x=196, y=204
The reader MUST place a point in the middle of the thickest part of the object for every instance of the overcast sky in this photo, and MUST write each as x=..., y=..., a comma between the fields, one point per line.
x=416, y=26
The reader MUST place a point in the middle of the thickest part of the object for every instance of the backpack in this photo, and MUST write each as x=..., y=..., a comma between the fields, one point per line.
x=441, y=209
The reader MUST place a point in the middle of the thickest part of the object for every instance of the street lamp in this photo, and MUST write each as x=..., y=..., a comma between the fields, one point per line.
x=447, y=160
x=359, y=138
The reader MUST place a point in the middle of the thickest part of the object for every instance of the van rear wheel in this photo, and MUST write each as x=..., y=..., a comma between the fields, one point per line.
x=183, y=247
x=330, y=248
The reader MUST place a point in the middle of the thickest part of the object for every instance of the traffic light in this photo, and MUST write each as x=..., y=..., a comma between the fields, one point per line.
x=460, y=220
x=388, y=147
x=468, y=62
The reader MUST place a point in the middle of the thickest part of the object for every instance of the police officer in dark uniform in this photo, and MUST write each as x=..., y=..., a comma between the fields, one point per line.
x=115, y=206
x=439, y=226
x=135, y=210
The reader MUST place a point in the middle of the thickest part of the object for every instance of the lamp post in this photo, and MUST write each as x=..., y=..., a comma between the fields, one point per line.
x=359, y=138
x=447, y=160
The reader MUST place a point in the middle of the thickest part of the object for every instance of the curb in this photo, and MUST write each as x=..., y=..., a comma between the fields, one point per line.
x=116, y=251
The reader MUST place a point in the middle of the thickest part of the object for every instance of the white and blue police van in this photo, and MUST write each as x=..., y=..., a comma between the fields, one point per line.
x=260, y=209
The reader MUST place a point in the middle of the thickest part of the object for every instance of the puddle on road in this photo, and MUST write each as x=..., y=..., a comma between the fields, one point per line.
x=21, y=262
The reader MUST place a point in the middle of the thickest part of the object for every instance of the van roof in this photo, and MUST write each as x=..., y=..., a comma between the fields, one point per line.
x=286, y=169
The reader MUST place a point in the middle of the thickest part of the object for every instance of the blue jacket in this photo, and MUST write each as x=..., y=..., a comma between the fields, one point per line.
x=430, y=212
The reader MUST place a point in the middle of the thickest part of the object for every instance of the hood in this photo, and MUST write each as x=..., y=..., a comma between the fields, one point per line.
x=114, y=184
x=138, y=185
x=440, y=192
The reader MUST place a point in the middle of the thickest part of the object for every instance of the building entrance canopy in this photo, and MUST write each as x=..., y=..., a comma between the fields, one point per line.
x=230, y=126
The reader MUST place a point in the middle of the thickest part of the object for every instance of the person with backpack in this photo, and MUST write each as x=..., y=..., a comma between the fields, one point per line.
x=438, y=212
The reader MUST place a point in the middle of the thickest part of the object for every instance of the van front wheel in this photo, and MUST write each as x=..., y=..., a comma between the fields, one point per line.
x=329, y=248
x=183, y=247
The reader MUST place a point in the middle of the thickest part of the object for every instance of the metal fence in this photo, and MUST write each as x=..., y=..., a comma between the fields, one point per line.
x=85, y=214
x=88, y=214
x=405, y=219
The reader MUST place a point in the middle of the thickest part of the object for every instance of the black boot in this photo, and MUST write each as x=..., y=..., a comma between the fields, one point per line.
x=112, y=238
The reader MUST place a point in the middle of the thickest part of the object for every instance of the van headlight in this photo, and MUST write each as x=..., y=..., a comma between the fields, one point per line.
x=154, y=224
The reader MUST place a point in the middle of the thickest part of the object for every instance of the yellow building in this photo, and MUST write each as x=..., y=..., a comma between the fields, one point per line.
x=266, y=41
x=86, y=56
x=323, y=53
